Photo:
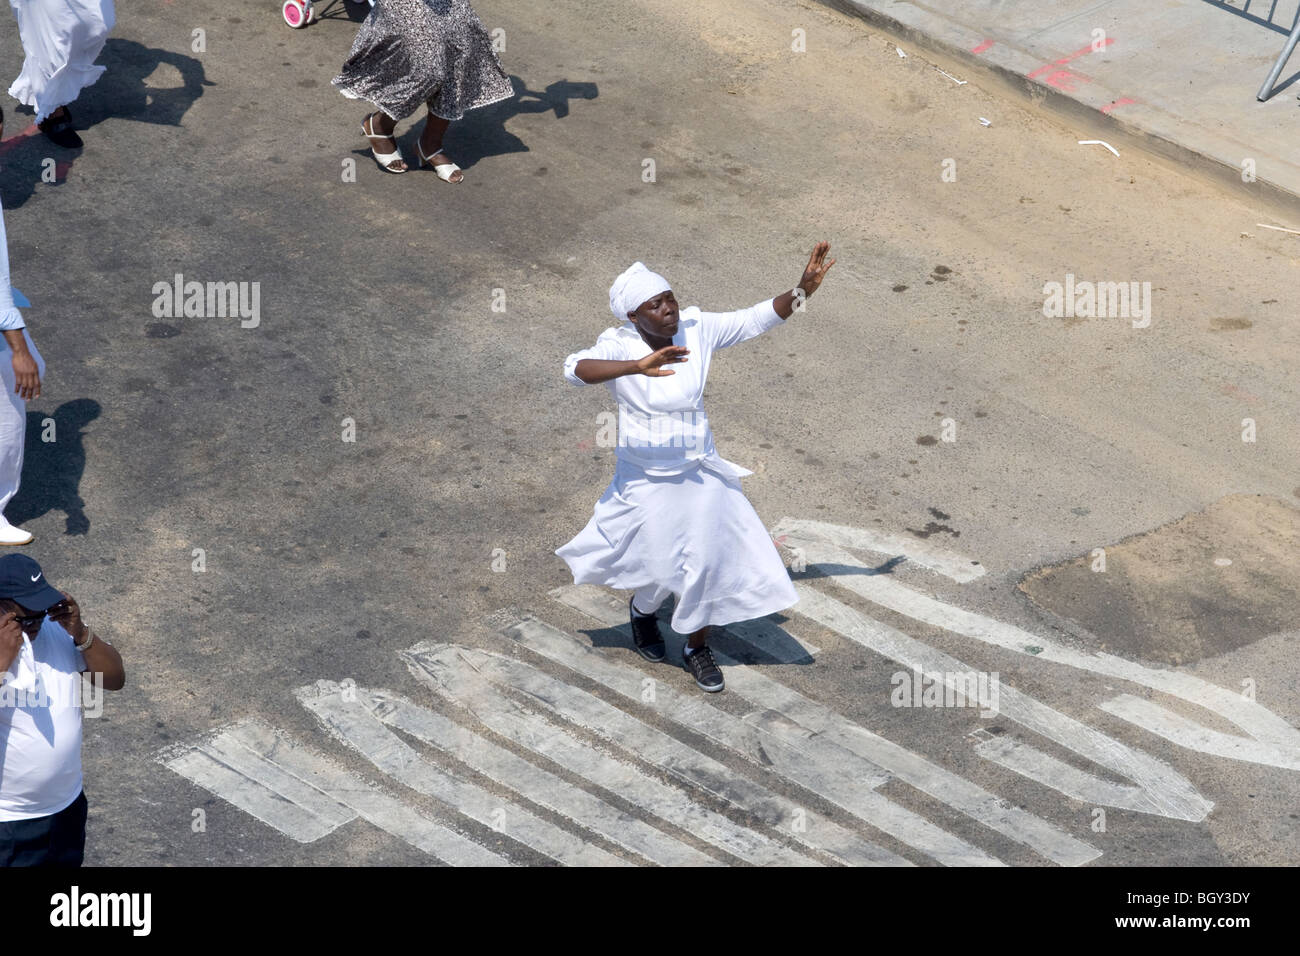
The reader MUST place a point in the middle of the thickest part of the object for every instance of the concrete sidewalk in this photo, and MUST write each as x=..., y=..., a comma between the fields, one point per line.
x=1178, y=77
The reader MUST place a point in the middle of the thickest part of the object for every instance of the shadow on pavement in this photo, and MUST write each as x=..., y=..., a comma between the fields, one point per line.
x=121, y=92
x=52, y=470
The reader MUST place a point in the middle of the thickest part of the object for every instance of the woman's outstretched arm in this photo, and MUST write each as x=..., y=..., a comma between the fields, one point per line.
x=813, y=274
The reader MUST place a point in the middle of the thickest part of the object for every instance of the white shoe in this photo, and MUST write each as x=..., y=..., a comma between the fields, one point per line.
x=9, y=535
x=444, y=170
x=387, y=161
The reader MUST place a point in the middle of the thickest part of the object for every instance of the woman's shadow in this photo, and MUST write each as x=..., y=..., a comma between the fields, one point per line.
x=483, y=133
x=120, y=92
x=53, y=462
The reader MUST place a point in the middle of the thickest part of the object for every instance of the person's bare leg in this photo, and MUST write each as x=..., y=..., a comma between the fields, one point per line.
x=435, y=127
x=699, y=638
x=381, y=124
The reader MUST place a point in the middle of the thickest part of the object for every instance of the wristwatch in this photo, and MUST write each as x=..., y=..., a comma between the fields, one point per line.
x=89, y=640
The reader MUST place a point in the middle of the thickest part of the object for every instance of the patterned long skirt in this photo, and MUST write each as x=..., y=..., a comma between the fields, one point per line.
x=410, y=52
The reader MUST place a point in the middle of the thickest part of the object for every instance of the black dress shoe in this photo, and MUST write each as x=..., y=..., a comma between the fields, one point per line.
x=58, y=129
x=645, y=634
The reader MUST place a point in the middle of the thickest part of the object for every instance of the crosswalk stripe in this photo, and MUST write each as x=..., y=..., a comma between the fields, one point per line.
x=463, y=676
x=357, y=727
x=1275, y=742
x=538, y=785
x=1164, y=791
x=284, y=813
x=776, y=700
x=305, y=795
x=385, y=812
x=679, y=760
x=1022, y=757
x=1188, y=733
x=791, y=531
x=229, y=750
x=832, y=773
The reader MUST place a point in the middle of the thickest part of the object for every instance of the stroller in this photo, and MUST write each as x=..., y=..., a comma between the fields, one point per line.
x=299, y=13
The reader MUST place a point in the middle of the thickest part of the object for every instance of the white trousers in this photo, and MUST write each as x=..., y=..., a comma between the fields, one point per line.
x=61, y=40
x=648, y=599
x=13, y=422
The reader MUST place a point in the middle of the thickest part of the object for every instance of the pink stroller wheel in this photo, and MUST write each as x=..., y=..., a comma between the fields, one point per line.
x=297, y=13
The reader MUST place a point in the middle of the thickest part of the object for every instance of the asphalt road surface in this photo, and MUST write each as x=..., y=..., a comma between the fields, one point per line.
x=365, y=651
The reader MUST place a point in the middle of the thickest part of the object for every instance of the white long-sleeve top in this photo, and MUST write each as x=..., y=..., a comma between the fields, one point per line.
x=10, y=317
x=662, y=426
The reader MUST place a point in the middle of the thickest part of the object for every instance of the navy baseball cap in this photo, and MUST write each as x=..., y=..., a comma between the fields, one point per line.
x=22, y=580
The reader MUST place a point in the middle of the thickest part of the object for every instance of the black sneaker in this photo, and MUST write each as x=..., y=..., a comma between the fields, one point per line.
x=705, y=670
x=58, y=129
x=645, y=634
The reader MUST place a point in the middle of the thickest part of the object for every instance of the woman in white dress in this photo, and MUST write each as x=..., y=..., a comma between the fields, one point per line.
x=674, y=519
x=61, y=40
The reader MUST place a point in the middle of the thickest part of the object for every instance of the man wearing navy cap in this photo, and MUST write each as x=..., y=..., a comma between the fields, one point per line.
x=45, y=648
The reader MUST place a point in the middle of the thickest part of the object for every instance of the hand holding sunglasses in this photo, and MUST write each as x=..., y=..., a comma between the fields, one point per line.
x=67, y=614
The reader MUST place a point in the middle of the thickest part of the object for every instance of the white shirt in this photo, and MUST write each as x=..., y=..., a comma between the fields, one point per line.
x=662, y=426
x=40, y=727
x=10, y=317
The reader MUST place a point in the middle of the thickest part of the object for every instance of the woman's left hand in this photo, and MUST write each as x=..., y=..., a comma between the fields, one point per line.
x=817, y=267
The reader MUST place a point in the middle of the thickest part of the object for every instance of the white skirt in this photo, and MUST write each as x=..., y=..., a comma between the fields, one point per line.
x=695, y=535
x=62, y=39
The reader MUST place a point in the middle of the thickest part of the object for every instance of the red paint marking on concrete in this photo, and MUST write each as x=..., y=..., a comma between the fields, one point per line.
x=1065, y=80
x=13, y=141
x=1073, y=56
x=983, y=47
x=60, y=168
x=1238, y=392
x=1122, y=101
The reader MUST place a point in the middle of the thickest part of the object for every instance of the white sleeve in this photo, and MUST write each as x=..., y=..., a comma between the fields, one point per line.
x=730, y=328
x=10, y=317
x=607, y=348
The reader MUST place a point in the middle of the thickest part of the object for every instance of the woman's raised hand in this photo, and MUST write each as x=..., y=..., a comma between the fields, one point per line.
x=653, y=363
x=816, y=269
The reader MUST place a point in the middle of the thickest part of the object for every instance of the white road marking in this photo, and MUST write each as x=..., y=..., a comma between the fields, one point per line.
x=958, y=567
x=539, y=786
x=431, y=662
x=1165, y=791
x=1188, y=733
x=301, y=779
x=286, y=813
x=467, y=677
x=1275, y=742
x=1023, y=758
x=841, y=777
x=786, y=712
x=356, y=726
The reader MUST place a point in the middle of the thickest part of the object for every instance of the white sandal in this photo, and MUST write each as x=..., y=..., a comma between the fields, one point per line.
x=385, y=160
x=444, y=170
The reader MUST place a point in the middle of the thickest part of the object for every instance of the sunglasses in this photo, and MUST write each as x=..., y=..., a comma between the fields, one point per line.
x=32, y=622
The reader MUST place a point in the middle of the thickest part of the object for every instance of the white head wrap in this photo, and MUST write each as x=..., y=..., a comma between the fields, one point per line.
x=635, y=286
